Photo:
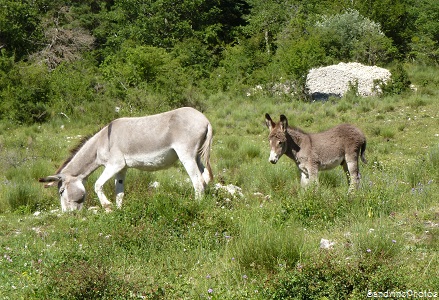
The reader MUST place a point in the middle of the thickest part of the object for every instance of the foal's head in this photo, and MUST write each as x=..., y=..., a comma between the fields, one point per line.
x=71, y=190
x=277, y=137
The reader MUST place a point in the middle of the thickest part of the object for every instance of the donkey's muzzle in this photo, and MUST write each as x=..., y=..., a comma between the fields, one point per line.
x=273, y=160
x=273, y=157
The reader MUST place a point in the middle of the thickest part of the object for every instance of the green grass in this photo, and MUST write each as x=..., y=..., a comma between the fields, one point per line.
x=163, y=244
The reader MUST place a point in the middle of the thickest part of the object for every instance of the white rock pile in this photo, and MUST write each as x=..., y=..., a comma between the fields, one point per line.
x=335, y=80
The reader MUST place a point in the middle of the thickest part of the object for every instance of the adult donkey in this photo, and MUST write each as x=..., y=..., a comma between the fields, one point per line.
x=149, y=143
x=340, y=145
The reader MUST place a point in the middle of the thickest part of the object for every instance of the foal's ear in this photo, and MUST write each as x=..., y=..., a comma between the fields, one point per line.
x=269, y=122
x=283, y=123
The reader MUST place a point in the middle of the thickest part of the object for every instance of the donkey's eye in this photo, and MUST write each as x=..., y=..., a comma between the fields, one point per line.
x=61, y=191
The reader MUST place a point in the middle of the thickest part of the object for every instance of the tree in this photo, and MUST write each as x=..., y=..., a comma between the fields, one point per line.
x=20, y=29
x=394, y=17
x=425, y=40
x=163, y=23
x=351, y=36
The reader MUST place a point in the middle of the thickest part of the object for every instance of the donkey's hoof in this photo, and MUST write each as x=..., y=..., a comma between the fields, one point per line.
x=107, y=207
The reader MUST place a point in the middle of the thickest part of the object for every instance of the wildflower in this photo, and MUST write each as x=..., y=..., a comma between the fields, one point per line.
x=208, y=276
x=244, y=276
x=368, y=250
x=394, y=241
x=210, y=291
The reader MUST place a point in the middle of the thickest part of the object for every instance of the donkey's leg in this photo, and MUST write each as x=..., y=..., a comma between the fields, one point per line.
x=313, y=174
x=346, y=171
x=109, y=171
x=304, y=179
x=354, y=175
x=119, y=184
x=192, y=168
x=204, y=171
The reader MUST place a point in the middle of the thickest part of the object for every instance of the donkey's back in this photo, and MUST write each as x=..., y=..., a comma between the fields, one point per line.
x=155, y=142
x=344, y=142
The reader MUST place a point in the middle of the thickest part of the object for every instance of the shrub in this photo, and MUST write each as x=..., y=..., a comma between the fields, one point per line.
x=150, y=68
x=296, y=57
x=398, y=83
x=351, y=36
x=25, y=96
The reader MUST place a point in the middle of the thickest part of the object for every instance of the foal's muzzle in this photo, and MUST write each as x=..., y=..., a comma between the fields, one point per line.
x=273, y=158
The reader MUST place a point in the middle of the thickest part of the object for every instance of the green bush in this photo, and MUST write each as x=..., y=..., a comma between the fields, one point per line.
x=398, y=83
x=295, y=57
x=352, y=37
x=25, y=96
x=149, y=68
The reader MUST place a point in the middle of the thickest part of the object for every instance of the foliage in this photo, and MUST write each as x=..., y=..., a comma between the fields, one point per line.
x=297, y=57
x=399, y=81
x=425, y=40
x=151, y=68
x=397, y=24
x=353, y=37
x=21, y=32
x=25, y=94
x=163, y=23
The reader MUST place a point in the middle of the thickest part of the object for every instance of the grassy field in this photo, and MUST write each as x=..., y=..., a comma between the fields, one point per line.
x=264, y=244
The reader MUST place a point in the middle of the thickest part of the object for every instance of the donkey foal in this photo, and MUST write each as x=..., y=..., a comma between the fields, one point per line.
x=340, y=145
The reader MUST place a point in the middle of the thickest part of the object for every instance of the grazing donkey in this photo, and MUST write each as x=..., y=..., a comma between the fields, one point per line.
x=340, y=145
x=149, y=143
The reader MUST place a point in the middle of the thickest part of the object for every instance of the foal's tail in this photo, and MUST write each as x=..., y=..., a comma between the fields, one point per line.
x=205, y=154
x=363, y=149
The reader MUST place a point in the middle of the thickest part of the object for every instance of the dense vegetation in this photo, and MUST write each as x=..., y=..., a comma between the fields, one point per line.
x=67, y=68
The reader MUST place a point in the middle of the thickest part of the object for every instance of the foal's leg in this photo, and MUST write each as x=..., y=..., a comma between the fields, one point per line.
x=304, y=179
x=351, y=163
x=119, y=184
x=346, y=172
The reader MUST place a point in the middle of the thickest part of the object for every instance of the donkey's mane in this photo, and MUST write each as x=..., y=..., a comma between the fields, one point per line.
x=298, y=129
x=74, y=151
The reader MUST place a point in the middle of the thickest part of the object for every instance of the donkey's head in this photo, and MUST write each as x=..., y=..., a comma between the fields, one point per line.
x=277, y=137
x=71, y=190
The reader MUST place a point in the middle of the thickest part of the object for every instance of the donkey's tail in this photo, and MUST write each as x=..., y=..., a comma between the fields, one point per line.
x=363, y=149
x=205, y=154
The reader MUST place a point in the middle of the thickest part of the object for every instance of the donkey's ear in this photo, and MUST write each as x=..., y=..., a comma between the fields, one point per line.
x=283, y=122
x=52, y=180
x=269, y=122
